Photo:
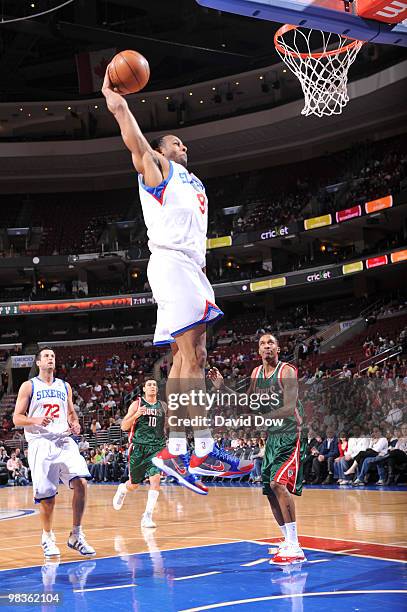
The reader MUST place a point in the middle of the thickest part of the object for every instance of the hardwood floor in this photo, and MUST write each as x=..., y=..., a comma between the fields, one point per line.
x=184, y=519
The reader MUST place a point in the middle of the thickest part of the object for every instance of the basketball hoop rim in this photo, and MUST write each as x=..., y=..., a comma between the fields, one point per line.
x=287, y=28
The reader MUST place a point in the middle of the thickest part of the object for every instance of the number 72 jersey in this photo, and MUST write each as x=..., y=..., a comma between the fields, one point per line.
x=48, y=400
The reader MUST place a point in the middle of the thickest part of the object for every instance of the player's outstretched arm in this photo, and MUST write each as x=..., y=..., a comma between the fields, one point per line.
x=151, y=164
x=135, y=411
x=20, y=418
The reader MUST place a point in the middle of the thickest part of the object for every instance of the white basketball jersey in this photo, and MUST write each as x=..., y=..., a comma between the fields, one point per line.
x=176, y=213
x=48, y=400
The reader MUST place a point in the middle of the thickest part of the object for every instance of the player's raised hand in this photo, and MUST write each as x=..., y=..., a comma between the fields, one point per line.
x=141, y=410
x=113, y=99
x=216, y=377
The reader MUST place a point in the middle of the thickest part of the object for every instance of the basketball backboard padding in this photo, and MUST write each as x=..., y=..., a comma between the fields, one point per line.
x=326, y=15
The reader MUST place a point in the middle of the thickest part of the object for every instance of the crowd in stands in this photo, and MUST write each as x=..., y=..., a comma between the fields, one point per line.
x=356, y=457
x=16, y=462
x=323, y=185
x=261, y=198
x=355, y=418
x=101, y=379
x=383, y=172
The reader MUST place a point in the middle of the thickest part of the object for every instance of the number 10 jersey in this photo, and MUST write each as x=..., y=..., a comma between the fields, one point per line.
x=149, y=428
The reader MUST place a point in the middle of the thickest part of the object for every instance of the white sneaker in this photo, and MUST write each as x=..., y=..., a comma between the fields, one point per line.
x=380, y=483
x=147, y=521
x=120, y=494
x=289, y=555
x=48, y=545
x=280, y=547
x=79, y=543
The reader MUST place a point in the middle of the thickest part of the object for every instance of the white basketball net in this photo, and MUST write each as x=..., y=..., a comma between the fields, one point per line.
x=324, y=74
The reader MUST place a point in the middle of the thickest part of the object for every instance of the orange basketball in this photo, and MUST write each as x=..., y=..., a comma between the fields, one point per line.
x=129, y=72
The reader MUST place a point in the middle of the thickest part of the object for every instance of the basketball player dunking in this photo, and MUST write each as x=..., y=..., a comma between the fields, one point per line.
x=145, y=420
x=175, y=210
x=45, y=409
x=286, y=445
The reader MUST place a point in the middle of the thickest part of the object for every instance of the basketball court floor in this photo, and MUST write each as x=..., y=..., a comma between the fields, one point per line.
x=209, y=553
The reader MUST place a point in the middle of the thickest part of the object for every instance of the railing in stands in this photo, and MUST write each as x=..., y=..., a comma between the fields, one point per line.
x=379, y=358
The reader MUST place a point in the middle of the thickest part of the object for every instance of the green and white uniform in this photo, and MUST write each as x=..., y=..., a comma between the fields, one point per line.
x=146, y=439
x=286, y=443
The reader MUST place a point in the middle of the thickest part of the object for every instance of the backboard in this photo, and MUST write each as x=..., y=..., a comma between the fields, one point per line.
x=384, y=24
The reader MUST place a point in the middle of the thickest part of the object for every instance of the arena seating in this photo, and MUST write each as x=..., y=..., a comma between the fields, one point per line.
x=353, y=351
x=266, y=194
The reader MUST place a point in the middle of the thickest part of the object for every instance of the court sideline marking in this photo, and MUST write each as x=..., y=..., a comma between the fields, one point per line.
x=259, y=543
x=225, y=604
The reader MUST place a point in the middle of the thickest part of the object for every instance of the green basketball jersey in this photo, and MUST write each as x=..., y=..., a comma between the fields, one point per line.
x=149, y=428
x=273, y=386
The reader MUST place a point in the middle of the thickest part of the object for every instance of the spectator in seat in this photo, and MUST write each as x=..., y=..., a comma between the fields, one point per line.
x=395, y=414
x=95, y=427
x=118, y=463
x=6, y=424
x=356, y=443
x=375, y=453
x=108, y=460
x=314, y=442
x=25, y=468
x=397, y=457
x=83, y=445
x=97, y=465
x=240, y=449
x=91, y=461
x=4, y=457
x=342, y=448
x=324, y=462
x=346, y=372
x=14, y=467
x=234, y=443
x=372, y=369
x=256, y=456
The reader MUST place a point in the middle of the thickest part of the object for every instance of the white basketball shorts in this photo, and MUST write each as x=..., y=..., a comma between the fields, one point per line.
x=183, y=293
x=51, y=461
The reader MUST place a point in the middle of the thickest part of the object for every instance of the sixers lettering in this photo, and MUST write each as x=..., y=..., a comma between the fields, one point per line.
x=175, y=210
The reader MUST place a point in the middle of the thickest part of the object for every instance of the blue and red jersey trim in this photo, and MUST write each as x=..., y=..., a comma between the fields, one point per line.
x=163, y=342
x=209, y=309
x=158, y=191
